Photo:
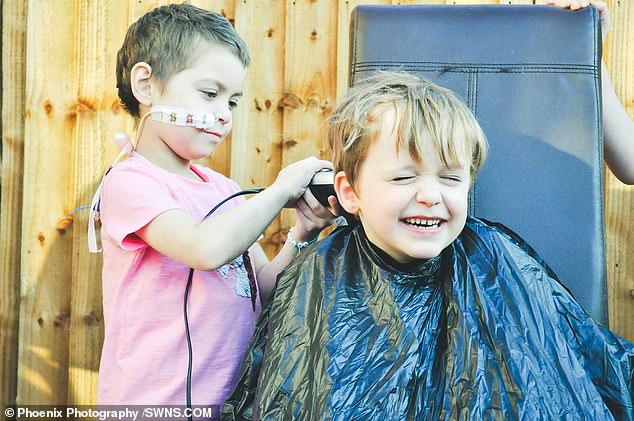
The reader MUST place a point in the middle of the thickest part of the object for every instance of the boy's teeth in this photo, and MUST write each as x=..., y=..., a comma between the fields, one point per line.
x=423, y=222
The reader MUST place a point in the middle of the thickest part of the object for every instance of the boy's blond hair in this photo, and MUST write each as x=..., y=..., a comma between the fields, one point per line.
x=426, y=109
x=168, y=38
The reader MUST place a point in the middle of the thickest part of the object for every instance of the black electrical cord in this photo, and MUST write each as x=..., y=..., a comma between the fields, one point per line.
x=187, y=288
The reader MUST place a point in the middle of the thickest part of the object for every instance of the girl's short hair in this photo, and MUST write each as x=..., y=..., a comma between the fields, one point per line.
x=425, y=110
x=167, y=38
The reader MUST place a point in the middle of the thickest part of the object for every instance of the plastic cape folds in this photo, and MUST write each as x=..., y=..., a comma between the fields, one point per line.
x=485, y=331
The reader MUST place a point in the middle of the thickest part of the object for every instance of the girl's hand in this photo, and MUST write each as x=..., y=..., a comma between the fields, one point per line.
x=293, y=180
x=601, y=6
x=311, y=218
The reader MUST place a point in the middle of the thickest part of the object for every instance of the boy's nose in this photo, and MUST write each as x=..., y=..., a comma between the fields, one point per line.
x=428, y=194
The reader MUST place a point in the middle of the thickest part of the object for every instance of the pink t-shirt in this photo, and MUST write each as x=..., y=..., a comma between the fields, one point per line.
x=145, y=357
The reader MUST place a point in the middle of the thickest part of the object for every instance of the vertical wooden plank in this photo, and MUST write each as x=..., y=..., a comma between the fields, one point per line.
x=96, y=115
x=12, y=153
x=139, y=8
x=226, y=8
x=257, y=133
x=619, y=198
x=310, y=80
x=46, y=249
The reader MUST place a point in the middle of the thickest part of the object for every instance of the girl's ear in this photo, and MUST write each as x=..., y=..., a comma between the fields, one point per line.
x=140, y=78
x=345, y=193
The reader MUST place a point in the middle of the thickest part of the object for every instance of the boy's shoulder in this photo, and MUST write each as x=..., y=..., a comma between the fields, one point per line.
x=489, y=237
x=485, y=228
x=502, y=257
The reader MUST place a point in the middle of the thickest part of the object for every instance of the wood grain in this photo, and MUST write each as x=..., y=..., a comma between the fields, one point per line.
x=13, y=82
x=51, y=115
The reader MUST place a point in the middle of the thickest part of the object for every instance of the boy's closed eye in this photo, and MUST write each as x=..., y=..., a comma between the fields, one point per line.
x=447, y=178
x=403, y=179
x=451, y=178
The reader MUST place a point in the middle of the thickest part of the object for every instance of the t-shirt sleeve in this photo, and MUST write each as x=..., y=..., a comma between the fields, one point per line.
x=131, y=198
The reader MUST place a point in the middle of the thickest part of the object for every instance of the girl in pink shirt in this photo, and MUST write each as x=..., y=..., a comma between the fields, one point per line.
x=180, y=73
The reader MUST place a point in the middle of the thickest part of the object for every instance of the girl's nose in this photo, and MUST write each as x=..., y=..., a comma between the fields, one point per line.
x=428, y=193
x=223, y=114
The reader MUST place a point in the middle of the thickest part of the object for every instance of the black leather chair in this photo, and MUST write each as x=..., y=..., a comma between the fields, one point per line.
x=531, y=75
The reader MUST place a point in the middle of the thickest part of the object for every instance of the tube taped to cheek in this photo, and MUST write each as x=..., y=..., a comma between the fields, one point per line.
x=182, y=116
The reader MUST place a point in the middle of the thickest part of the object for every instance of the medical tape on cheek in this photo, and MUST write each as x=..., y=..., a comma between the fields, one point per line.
x=182, y=117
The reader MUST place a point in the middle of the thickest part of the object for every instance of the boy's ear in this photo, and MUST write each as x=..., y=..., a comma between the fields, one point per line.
x=140, y=79
x=346, y=194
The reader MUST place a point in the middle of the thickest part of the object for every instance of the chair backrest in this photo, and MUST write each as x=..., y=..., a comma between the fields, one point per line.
x=531, y=75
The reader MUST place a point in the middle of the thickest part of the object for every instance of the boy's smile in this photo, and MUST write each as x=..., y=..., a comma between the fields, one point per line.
x=411, y=210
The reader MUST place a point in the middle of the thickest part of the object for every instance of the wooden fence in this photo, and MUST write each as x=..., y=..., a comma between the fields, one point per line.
x=60, y=113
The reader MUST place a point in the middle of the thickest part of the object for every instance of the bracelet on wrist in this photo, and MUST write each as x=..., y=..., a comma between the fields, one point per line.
x=299, y=244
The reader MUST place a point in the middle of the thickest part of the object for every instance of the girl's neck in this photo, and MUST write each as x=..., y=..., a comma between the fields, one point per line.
x=160, y=155
x=184, y=170
x=150, y=145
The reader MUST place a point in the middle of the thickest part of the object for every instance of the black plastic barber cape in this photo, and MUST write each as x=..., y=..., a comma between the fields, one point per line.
x=531, y=75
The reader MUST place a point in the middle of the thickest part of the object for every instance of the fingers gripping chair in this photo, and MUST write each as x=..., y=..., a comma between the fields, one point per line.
x=531, y=75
